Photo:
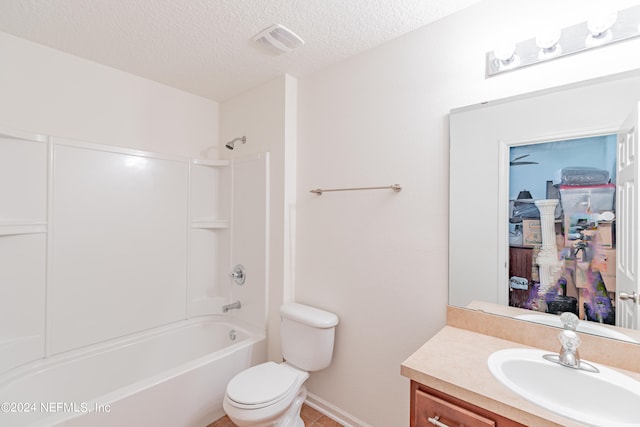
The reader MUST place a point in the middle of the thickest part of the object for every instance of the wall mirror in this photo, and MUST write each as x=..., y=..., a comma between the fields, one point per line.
x=507, y=154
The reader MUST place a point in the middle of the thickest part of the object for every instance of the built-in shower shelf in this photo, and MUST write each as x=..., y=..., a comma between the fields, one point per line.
x=210, y=224
x=14, y=228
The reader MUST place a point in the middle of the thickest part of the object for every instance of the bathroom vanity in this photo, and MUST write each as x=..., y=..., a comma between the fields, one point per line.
x=451, y=380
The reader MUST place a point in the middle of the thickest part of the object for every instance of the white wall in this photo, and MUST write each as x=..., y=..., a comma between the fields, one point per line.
x=53, y=93
x=379, y=259
x=267, y=116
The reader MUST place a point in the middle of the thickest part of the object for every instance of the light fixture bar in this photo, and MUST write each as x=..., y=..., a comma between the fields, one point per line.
x=574, y=39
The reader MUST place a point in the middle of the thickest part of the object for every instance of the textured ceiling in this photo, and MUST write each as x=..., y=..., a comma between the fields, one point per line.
x=204, y=46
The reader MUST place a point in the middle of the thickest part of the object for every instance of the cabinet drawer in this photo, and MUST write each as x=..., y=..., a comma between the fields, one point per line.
x=429, y=407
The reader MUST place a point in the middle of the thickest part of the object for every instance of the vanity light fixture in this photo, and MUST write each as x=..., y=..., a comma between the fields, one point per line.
x=601, y=29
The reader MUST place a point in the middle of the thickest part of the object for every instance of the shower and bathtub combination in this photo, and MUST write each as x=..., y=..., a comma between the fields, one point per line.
x=118, y=304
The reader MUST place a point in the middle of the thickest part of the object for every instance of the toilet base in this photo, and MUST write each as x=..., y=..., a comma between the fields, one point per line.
x=299, y=423
x=290, y=417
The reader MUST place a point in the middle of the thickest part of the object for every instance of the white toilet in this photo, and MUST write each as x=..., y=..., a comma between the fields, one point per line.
x=271, y=394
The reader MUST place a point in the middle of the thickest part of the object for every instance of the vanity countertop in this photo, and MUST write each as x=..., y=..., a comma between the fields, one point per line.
x=454, y=361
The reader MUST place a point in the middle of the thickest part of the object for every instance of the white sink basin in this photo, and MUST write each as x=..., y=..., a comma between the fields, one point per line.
x=583, y=326
x=607, y=398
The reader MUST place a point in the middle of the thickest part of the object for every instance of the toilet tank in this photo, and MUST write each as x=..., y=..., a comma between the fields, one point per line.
x=307, y=336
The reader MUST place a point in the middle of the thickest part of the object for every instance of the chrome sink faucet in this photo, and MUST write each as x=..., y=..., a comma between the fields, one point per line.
x=570, y=341
x=569, y=355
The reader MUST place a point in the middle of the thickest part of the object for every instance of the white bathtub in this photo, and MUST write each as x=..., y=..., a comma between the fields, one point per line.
x=172, y=376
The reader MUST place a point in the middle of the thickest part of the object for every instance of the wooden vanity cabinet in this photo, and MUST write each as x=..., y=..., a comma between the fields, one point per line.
x=431, y=407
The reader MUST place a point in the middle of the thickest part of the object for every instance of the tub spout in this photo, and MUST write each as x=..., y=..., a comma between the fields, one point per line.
x=232, y=306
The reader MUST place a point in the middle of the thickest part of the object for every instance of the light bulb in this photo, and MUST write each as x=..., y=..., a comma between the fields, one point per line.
x=505, y=53
x=548, y=38
x=601, y=22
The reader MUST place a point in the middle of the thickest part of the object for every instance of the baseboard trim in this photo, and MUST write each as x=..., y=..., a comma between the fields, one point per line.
x=334, y=412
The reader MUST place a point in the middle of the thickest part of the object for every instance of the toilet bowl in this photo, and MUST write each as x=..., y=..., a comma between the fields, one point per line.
x=266, y=395
x=271, y=394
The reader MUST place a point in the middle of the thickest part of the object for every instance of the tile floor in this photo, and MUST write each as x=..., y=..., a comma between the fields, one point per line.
x=310, y=416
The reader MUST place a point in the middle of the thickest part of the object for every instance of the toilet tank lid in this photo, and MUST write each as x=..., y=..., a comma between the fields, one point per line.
x=308, y=315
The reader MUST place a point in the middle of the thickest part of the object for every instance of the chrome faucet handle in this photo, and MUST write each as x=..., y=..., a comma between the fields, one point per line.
x=569, y=340
x=569, y=321
x=239, y=274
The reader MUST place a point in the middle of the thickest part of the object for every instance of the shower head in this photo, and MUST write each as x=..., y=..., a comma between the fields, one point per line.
x=231, y=143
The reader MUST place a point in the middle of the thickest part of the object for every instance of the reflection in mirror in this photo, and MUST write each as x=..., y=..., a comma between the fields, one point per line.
x=577, y=177
x=506, y=158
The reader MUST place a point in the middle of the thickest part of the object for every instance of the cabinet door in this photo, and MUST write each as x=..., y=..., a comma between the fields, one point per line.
x=521, y=262
x=431, y=410
x=520, y=265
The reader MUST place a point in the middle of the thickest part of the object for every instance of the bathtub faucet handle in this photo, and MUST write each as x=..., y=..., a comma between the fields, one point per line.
x=239, y=274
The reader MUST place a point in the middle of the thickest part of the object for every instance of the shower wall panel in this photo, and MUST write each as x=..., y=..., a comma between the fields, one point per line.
x=250, y=246
x=23, y=243
x=119, y=239
x=210, y=236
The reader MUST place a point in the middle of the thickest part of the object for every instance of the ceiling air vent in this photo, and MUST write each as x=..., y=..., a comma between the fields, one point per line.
x=280, y=38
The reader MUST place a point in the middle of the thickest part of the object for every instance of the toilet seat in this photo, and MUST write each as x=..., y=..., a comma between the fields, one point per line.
x=264, y=385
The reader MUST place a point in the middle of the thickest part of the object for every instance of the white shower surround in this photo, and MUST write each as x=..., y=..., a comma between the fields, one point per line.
x=106, y=257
